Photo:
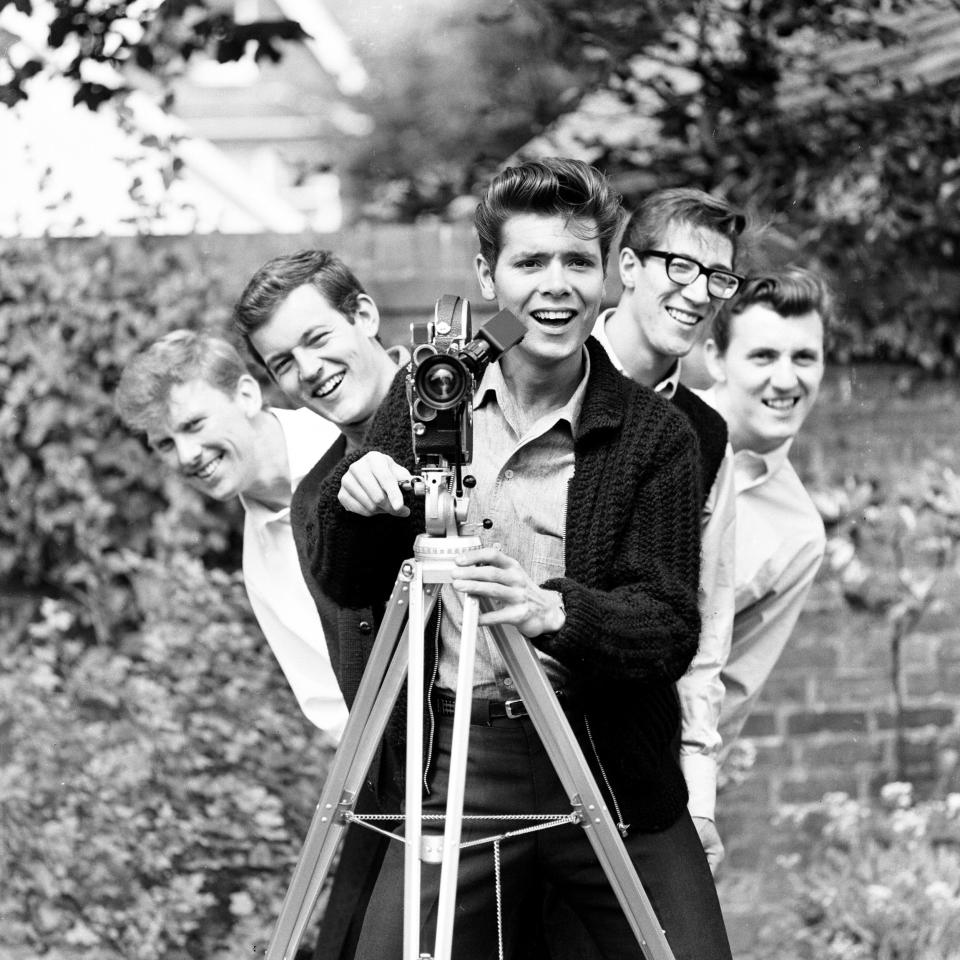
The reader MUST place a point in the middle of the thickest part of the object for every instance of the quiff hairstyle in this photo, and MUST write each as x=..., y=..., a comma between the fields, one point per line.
x=279, y=277
x=648, y=224
x=791, y=292
x=553, y=186
x=179, y=357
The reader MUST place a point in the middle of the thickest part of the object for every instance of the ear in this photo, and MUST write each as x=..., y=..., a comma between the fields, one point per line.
x=488, y=288
x=367, y=316
x=714, y=361
x=629, y=264
x=249, y=395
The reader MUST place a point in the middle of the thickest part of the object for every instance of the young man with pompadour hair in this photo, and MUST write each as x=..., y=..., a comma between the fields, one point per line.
x=308, y=320
x=591, y=488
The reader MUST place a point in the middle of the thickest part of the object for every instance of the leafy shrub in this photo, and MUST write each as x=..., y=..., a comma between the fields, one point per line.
x=877, y=882
x=153, y=795
x=80, y=494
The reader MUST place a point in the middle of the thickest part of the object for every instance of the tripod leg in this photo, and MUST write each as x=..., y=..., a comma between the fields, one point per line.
x=377, y=693
x=413, y=807
x=561, y=745
x=453, y=821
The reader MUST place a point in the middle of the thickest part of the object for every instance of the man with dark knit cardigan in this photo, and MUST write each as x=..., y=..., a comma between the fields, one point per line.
x=307, y=319
x=589, y=479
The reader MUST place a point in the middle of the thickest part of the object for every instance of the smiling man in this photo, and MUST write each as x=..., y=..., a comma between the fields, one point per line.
x=767, y=357
x=676, y=262
x=312, y=325
x=589, y=495
x=202, y=415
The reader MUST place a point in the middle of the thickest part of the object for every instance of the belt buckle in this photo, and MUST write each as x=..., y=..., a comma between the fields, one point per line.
x=514, y=708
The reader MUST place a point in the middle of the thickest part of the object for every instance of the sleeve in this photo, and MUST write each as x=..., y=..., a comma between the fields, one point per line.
x=761, y=631
x=306, y=665
x=645, y=628
x=701, y=688
x=355, y=560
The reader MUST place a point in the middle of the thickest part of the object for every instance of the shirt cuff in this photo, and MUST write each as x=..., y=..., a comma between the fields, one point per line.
x=700, y=772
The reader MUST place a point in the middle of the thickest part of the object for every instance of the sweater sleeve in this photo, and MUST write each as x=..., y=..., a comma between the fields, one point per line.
x=645, y=627
x=356, y=559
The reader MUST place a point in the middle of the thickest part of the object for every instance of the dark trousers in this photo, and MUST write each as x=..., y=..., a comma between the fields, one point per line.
x=508, y=772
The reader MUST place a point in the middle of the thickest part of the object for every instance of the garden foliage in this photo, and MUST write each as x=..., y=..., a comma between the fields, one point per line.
x=154, y=793
x=876, y=882
x=892, y=551
x=81, y=495
x=156, y=776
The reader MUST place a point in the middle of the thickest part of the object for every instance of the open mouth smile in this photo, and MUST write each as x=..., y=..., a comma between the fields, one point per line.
x=328, y=385
x=553, y=318
x=208, y=469
x=780, y=404
x=686, y=317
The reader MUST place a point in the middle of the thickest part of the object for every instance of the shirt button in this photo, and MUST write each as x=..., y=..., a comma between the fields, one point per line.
x=365, y=627
x=508, y=474
x=508, y=682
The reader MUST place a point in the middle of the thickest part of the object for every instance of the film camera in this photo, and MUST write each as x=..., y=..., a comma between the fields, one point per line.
x=447, y=363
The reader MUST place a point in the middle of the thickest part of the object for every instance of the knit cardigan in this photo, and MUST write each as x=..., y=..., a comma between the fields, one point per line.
x=711, y=431
x=632, y=550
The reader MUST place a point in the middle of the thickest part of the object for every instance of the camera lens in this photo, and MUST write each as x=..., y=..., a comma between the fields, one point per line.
x=442, y=381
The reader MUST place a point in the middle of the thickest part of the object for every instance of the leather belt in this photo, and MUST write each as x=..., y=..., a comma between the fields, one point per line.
x=485, y=712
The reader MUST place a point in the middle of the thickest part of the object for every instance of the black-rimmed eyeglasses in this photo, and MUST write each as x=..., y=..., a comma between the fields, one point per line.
x=721, y=284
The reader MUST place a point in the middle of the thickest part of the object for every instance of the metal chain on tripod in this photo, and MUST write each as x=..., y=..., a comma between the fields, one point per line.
x=496, y=876
x=547, y=822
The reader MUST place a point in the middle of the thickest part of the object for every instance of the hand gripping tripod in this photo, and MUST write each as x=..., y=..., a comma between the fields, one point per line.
x=397, y=654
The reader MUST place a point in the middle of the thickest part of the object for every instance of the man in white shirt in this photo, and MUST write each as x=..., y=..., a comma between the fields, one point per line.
x=676, y=263
x=767, y=358
x=203, y=415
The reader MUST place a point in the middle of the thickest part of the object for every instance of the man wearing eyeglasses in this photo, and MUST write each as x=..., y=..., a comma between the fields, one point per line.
x=676, y=264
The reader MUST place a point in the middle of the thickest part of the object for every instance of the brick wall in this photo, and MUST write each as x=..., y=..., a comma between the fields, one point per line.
x=404, y=267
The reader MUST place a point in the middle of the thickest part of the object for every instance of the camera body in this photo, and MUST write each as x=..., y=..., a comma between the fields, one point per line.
x=447, y=363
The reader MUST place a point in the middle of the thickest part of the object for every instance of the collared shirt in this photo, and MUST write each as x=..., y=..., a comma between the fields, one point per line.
x=780, y=545
x=522, y=473
x=701, y=688
x=278, y=595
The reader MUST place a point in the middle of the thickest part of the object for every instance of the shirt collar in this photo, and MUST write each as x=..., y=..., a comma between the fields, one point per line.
x=492, y=383
x=667, y=387
x=302, y=453
x=750, y=468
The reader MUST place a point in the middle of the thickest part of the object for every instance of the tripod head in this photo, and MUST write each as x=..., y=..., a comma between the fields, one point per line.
x=447, y=365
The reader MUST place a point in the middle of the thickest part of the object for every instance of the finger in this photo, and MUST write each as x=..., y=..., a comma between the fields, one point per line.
x=491, y=556
x=486, y=588
x=361, y=495
x=352, y=505
x=372, y=483
x=489, y=574
x=515, y=613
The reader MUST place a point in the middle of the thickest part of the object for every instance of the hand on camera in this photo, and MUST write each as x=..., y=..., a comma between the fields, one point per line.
x=371, y=486
x=518, y=600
